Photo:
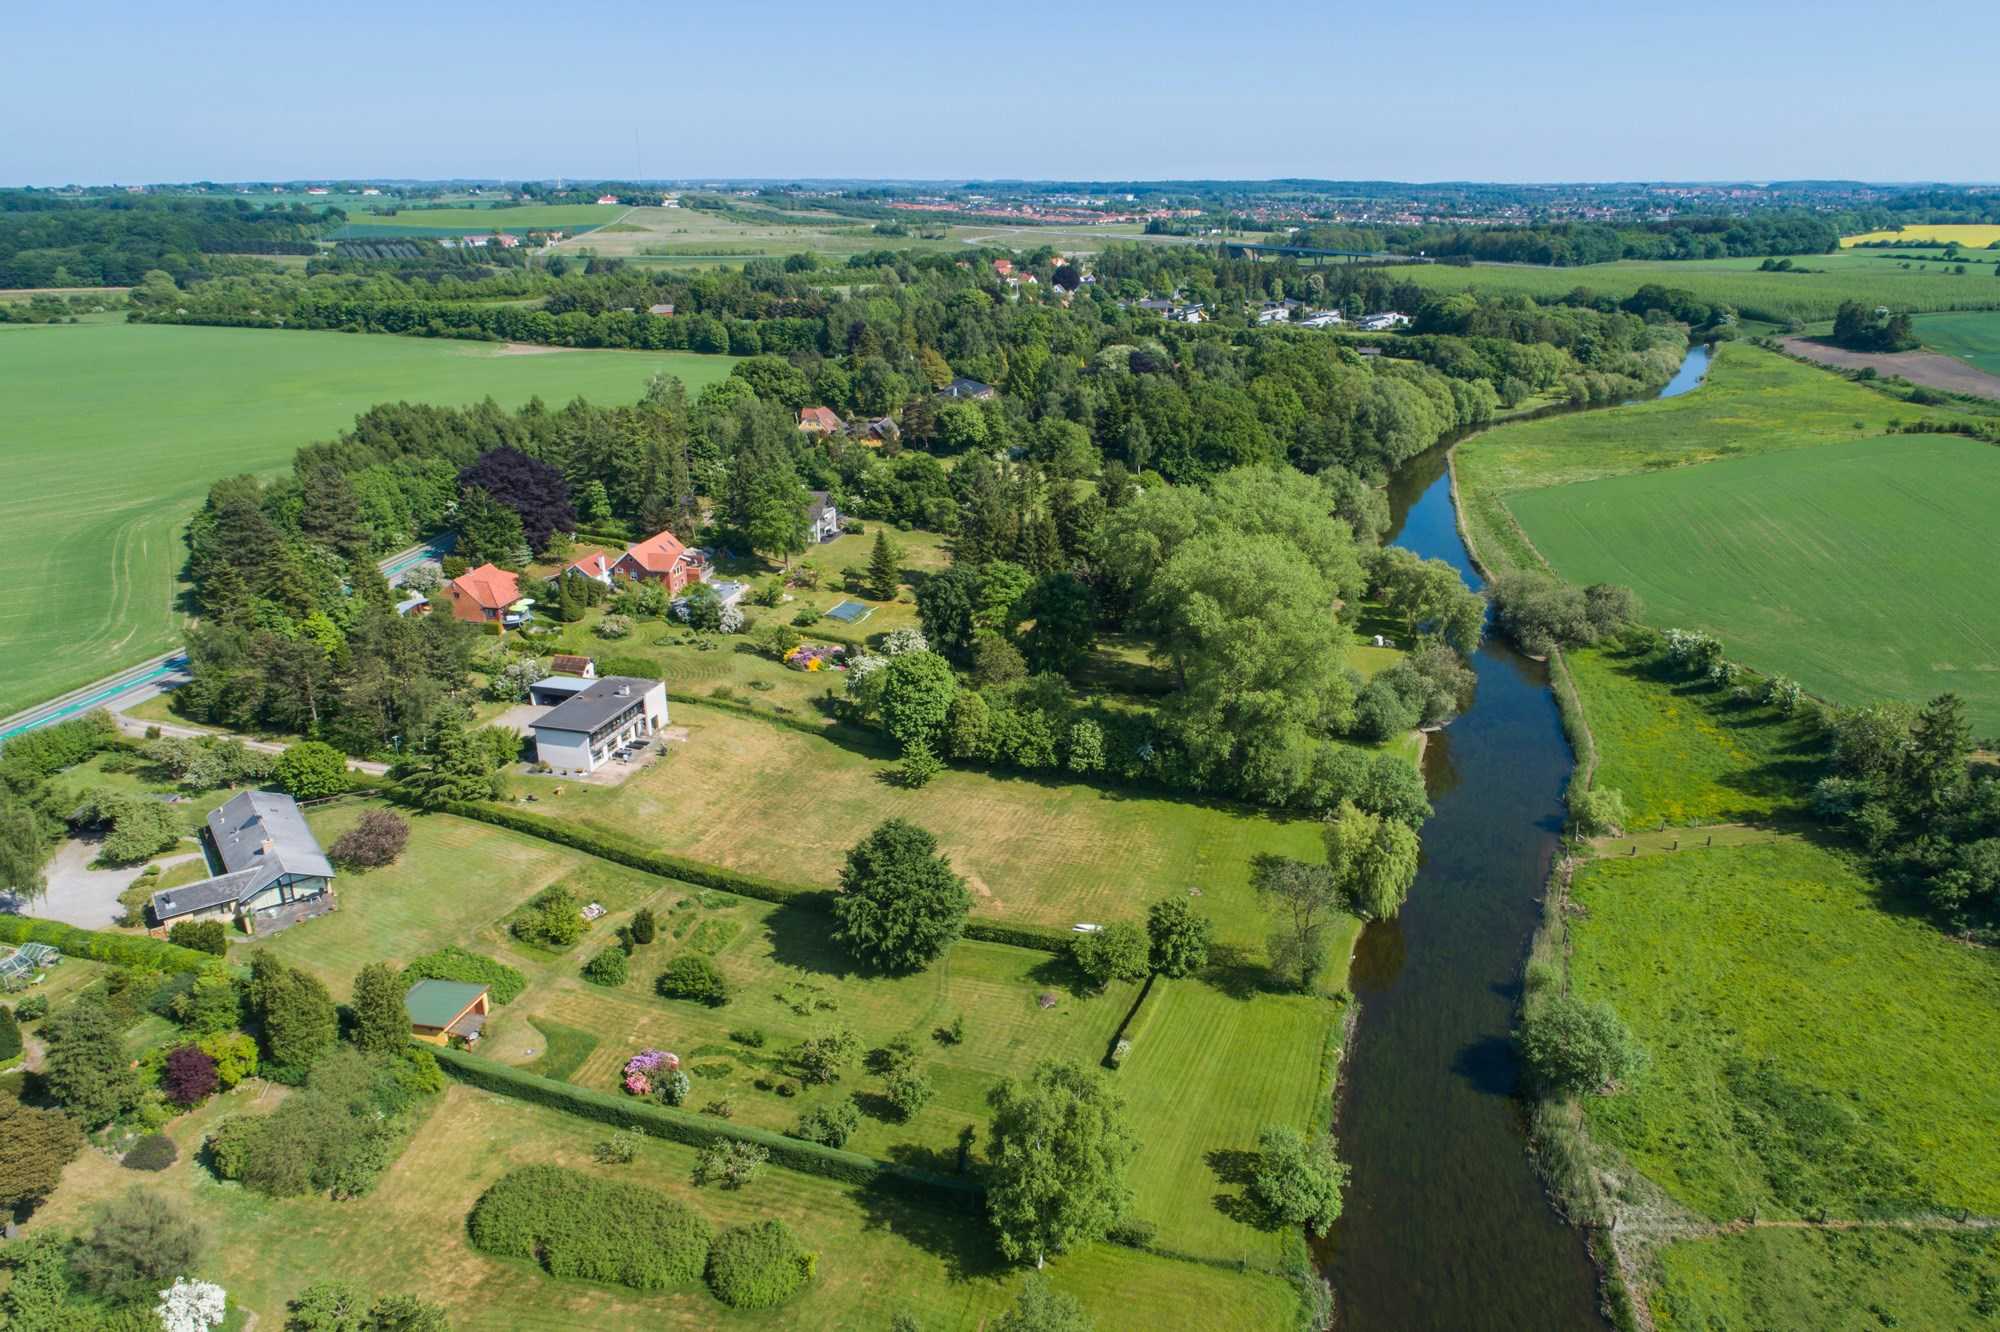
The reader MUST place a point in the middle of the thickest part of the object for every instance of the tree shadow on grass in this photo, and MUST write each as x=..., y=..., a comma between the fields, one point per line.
x=801, y=936
x=1234, y=1167
x=959, y=1239
x=1232, y=970
x=1060, y=972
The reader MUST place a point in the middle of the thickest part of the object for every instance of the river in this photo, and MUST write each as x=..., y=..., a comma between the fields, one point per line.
x=1446, y=1226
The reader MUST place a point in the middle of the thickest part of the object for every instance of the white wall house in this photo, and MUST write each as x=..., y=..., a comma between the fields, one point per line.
x=578, y=735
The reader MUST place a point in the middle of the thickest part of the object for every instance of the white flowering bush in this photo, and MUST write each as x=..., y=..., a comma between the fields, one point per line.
x=192, y=1306
x=900, y=641
x=732, y=620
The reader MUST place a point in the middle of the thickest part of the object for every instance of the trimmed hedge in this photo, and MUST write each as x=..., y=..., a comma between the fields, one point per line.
x=455, y=964
x=699, y=1130
x=758, y=1266
x=578, y=1225
x=1040, y=938
x=132, y=950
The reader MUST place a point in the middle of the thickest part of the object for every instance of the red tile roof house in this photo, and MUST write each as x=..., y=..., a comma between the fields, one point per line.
x=663, y=558
x=820, y=420
x=483, y=594
x=591, y=564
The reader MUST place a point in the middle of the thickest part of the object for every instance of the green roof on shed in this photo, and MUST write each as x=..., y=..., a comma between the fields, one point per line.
x=434, y=1003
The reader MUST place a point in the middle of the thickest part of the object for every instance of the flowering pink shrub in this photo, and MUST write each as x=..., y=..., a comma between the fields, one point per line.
x=641, y=1069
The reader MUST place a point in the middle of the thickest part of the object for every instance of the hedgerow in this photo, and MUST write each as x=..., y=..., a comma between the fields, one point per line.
x=577, y=1225
x=699, y=1130
x=133, y=950
x=455, y=964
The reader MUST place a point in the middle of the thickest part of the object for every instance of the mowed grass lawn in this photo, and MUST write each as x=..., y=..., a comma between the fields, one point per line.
x=1972, y=338
x=878, y=1256
x=1861, y=569
x=1812, y=1047
x=1829, y=1281
x=456, y=882
x=113, y=433
x=769, y=800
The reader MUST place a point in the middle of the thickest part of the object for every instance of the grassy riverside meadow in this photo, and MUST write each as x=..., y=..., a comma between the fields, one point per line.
x=1798, y=538
x=1830, y=1281
x=1857, y=568
x=116, y=432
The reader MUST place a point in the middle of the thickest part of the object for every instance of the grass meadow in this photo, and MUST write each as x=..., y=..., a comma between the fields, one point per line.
x=1779, y=298
x=116, y=431
x=460, y=221
x=1814, y=1047
x=1043, y=851
x=878, y=1256
x=1829, y=1281
x=1681, y=753
x=1858, y=568
x=1972, y=338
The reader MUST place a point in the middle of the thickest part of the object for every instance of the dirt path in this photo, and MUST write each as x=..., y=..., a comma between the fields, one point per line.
x=1929, y=368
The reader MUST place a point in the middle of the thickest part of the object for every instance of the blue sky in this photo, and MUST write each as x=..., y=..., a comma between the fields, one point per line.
x=132, y=91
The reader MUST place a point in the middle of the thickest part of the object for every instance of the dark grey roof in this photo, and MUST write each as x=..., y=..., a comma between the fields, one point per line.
x=820, y=504
x=588, y=709
x=265, y=828
x=223, y=890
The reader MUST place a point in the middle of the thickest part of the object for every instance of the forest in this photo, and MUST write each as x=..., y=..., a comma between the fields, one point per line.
x=48, y=241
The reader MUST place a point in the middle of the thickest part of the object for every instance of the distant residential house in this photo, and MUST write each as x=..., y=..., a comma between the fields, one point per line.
x=607, y=198
x=880, y=430
x=820, y=421
x=1273, y=314
x=1003, y=266
x=274, y=873
x=440, y=1009
x=415, y=604
x=823, y=517
x=487, y=594
x=565, y=663
x=317, y=189
x=506, y=241
x=1388, y=319
x=593, y=564
x=664, y=310
x=592, y=719
x=477, y=242
x=663, y=558
x=1188, y=314
x=371, y=190
x=1325, y=319
x=961, y=387
x=1154, y=305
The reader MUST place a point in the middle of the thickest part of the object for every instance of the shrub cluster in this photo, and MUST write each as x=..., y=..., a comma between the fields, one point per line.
x=203, y=936
x=758, y=1266
x=455, y=964
x=376, y=840
x=609, y=968
x=699, y=1130
x=155, y=1151
x=693, y=976
x=336, y=1136
x=577, y=1225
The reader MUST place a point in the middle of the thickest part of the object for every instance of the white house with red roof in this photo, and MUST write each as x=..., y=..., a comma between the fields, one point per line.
x=664, y=558
x=595, y=564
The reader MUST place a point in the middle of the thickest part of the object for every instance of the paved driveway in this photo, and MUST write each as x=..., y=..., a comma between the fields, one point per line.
x=80, y=895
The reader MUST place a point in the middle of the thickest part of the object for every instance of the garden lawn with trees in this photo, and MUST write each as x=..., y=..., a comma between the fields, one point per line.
x=121, y=433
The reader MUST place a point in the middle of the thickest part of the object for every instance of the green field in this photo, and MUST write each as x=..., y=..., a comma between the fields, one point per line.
x=1811, y=1050
x=1860, y=569
x=1868, y=277
x=1681, y=752
x=115, y=431
x=1752, y=402
x=1830, y=1281
x=1972, y=338
x=572, y=218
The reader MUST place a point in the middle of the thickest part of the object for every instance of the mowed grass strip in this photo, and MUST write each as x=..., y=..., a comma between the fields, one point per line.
x=114, y=433
x=1881, y=1027
x=878, y=1256
x=1043, y=851
x=1829, y=1281
x=1861, y=569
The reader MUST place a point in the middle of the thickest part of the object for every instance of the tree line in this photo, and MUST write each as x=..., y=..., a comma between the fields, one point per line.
x=49, y=242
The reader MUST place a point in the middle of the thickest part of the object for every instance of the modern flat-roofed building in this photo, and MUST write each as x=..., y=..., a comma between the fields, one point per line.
x=581, y=732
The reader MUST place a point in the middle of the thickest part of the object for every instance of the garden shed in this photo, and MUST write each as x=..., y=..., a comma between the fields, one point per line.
x=440, y=1009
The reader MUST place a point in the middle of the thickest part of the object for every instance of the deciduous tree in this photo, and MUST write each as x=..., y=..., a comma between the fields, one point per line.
x=900, y=904
x=1060, y=1148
